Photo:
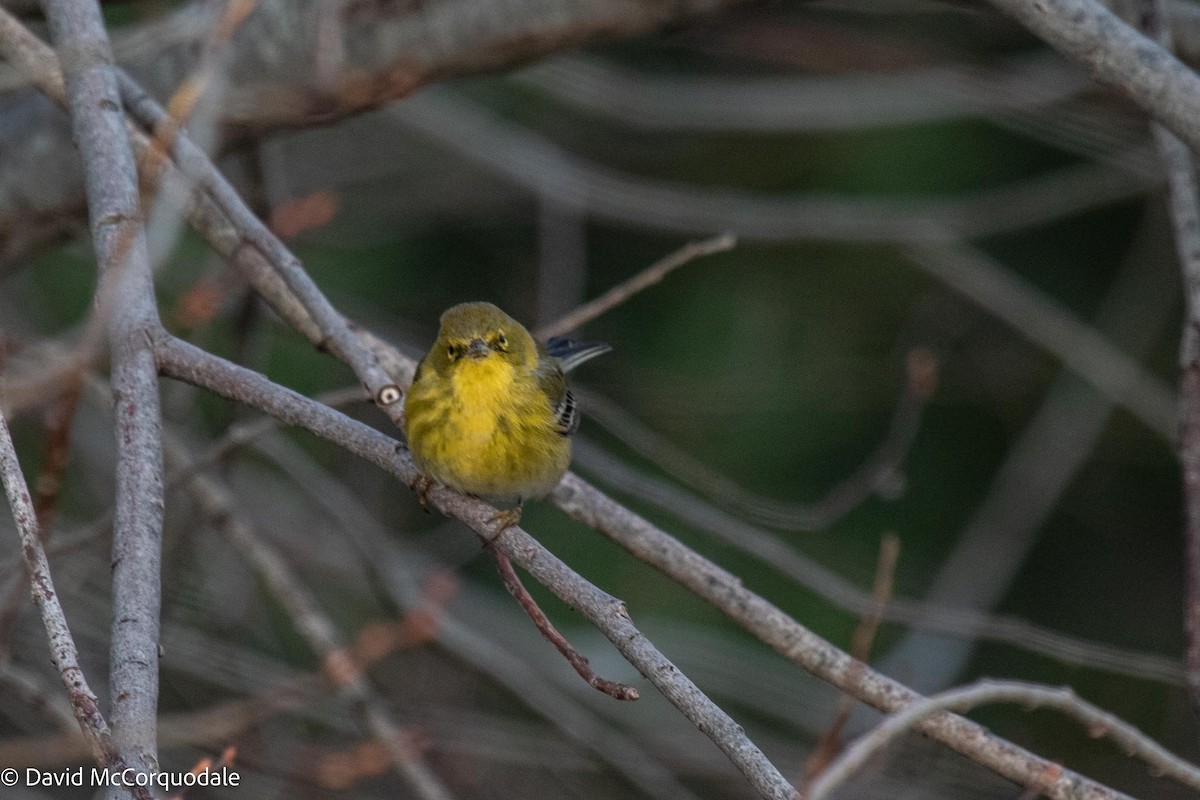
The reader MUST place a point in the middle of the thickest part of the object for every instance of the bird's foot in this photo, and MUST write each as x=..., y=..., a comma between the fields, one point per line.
x=503, y=520
x=421, y=486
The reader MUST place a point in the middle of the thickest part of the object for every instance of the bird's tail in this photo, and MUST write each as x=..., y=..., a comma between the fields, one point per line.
x=571, y=354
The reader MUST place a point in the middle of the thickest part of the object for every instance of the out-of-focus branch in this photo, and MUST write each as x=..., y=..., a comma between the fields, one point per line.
x=773, y=551
x=1081, y=347
x=341, y=668
x=62, y=645
x=385, y=52
x=1120, y=56
x=373, y=51
x=306, y=62
x=805, y=103
x=1097, y=722
x=208, y=728
x=877, y=470
x=219, y=213
x=531, y=161
x=1185, y=217
x=126, y=287
x=38, y=694
x=1038, y=469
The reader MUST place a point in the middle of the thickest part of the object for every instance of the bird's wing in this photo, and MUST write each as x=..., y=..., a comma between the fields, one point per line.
x=554, y=385
x=571, y=353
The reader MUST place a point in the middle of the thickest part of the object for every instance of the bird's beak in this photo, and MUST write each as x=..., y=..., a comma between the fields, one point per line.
x=478, y=349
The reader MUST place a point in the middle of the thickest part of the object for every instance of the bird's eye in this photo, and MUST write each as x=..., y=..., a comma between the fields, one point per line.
x=501, y=341
x=452, y=351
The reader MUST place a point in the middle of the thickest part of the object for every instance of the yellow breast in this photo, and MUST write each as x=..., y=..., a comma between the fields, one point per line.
x=487, y=429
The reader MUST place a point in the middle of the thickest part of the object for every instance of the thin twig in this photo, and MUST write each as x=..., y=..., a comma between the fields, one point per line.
x=125, y=280
x=830, y=743
x=59, y=420
x=62, y=645
x=646, y=278
x=1097, y=722
x=615, y=690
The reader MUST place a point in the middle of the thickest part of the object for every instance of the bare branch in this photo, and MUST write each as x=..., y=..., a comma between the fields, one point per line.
x=383, y=52
x=62, y=645
x=26, y=52
x=644, y=279
x=773, y=551
x=1120, y=56
x=701, y=576
x=120, y=245
x=59, y=419
x=615, y=690
x=219, y=213
x=1097, y=722
x=307, y=62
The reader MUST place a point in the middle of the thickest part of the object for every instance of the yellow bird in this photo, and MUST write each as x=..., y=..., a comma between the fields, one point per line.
x=489, y=412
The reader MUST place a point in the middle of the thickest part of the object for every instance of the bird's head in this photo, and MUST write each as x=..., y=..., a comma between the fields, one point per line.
x=478, y=332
